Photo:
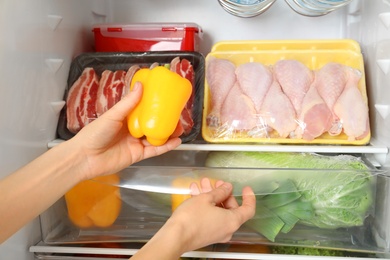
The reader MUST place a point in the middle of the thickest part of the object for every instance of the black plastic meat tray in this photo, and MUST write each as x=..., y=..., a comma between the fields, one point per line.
x=113, y=61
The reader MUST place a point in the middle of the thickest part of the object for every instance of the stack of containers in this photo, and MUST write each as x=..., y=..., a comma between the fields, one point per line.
x=316, y=7
x=246, y=8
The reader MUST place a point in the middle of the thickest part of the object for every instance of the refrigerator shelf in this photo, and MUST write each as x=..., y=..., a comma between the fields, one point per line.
x=200, y=145
x=43, y=248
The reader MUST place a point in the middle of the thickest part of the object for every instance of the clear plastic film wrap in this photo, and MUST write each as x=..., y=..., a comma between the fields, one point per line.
x=98, y=80
x=338, y=202
x=294, y=199
x=286, y=92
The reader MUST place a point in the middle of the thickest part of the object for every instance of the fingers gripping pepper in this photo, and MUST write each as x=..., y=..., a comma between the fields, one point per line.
x=165, y=94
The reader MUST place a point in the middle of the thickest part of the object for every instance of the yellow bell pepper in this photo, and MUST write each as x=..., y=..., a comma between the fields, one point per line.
x=93, y=203
x=165, y=94
x=177, y=199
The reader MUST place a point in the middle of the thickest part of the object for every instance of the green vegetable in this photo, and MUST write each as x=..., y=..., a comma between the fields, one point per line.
x=328, y=199
x=292, y=250
x=283, y=160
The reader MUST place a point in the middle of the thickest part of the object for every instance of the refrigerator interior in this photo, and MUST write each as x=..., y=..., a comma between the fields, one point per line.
x=41, y=38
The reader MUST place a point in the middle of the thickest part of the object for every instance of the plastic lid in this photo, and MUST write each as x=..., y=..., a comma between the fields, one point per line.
x=148, y=26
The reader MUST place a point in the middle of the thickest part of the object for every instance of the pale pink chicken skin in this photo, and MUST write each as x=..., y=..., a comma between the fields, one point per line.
x=315, y=117
x=332, y=78
x=254, y=79
x=238, y=112
x=352, y=110
x=295, y=79
x=278, y=112
x=220, y=76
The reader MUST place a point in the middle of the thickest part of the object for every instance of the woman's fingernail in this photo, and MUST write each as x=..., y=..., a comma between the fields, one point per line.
x=136, y=86
x=219, y=183
x=194, y=190
x=227, y=185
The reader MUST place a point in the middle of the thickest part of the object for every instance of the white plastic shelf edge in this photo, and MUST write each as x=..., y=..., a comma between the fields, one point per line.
x=42, y=248
x=367, y=149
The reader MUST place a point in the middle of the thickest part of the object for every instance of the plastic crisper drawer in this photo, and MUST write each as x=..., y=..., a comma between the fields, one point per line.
x=122, y=61
x=313, y=54
x=341, y=203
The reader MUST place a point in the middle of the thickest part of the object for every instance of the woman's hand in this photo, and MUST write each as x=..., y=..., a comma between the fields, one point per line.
x=212, y=215
x=104, y=146
x=107, y=144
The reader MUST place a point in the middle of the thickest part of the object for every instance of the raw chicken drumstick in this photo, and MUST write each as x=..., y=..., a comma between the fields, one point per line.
x=254, y=79
x=221, y=77
x=237, y=114
x=278, y=112
x=351, y=109
x=295, y=79
x=332, y=78
x=315, y=117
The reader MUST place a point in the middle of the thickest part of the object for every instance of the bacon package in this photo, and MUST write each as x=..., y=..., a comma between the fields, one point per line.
x=99, y=80
x=294, y=92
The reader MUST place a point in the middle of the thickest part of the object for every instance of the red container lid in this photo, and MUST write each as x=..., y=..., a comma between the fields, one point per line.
x=147, y=36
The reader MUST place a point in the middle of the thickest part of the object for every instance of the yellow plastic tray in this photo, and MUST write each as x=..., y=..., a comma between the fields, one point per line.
x=292, y=45
x=313, y=53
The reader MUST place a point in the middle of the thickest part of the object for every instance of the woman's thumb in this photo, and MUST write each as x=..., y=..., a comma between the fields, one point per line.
x=121, y=109
x=222, y=192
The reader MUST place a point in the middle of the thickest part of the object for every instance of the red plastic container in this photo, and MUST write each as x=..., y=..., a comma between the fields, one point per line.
x=147, y=37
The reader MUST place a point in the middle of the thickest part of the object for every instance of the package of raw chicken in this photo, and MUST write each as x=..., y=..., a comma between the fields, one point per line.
x=291, y=92
x=97, y=81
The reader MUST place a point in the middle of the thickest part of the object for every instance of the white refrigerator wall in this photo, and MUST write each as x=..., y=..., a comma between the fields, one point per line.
x=37, y=43
x=38, y=40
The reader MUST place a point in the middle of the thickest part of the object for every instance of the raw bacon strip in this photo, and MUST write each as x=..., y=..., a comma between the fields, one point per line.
x=185, y=69
x=102, y=101
x=153, y=65
x=117, y=89
x=81, y=101
x=111, y=89
x=186, y=121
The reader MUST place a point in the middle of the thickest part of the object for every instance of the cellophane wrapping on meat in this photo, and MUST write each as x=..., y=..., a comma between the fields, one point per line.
x=285, y=101
x=99, y=80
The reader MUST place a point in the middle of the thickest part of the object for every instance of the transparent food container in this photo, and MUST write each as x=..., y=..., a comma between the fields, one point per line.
x=148, y=194
x=246, y=8
x=248, y=114
x=316, y=7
